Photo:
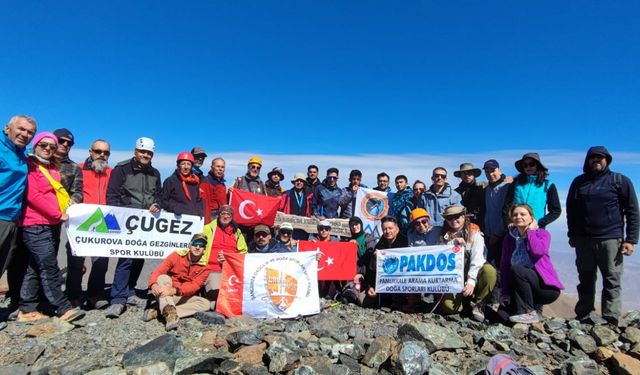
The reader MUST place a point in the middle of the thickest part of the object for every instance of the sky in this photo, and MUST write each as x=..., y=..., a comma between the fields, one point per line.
x=374, y=85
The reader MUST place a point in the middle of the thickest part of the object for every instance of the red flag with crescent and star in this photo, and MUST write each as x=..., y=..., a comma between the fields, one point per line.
x=338, y=260
x=252, y=209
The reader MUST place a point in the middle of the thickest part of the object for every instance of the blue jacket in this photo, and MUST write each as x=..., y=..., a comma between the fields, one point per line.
x=542, y=198
x=325, y=200
x=494, y=196
x=599, y=203
x=13, y=179
x=435, y=204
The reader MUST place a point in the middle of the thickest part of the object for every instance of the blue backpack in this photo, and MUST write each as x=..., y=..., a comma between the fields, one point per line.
x=502, y=364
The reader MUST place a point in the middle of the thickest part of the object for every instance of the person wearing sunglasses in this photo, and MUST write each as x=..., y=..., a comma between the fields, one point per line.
x=134, y=183
x=95, y=178
x=285, y=237
x=199, y=155
x=326, y=196
x=264, y=243
x=480, y=277
x=439, y=196
x=471, y=190
x=40, y=226
x=251, y=181
x=422, y=233
x=176, y=282
x=533, y=187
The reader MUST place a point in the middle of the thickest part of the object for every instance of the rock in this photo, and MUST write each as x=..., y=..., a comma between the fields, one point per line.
x=579, y=366
x=53, y=326
x=412, y=359
x=209, y=338
x=304, y=370
x=386, y=330
x=108, y=371
x=252, y=354
x=78, y=367
x=635, y=351
x=320, y=365
x=626, y=365
x=498, y=333
x=595, y=319
x=229, y=366
x=520, y=330
x=633, y=317
x=328, y=326
x=33, y=354
x=165, y=348
x=441, y=369
x=338, y=349
x=434, y=336
x=244, y=337
x=159, y=368
x=554, y=324
x=15, y=369
x=586, y=343
x=379, y=351
x=350, y=362
x=632, y=335
x=603, y=335
x=197, y=364
x=602, y=354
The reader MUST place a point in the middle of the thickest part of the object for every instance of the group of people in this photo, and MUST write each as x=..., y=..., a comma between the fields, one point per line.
x=500, y=224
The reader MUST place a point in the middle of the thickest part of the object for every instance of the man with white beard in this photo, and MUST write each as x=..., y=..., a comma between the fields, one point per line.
x=96, y=173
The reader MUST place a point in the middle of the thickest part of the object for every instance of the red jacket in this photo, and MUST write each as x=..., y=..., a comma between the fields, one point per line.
x=94, y=185
x=214, y=195
x=187, y=278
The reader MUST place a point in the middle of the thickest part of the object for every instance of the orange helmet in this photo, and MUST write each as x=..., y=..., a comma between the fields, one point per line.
x=185, y=156
x=417, y=213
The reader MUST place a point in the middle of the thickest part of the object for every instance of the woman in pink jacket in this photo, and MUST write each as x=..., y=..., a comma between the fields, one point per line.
x=40, y=227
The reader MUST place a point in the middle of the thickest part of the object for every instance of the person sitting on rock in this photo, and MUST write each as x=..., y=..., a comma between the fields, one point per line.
x=176, y=282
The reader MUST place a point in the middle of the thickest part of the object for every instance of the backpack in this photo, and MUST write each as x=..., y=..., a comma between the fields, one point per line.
x=502, y=364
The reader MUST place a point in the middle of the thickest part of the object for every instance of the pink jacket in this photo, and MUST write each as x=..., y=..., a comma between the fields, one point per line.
x=41, y=205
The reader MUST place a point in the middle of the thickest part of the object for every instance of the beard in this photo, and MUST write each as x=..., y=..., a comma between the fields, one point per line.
x=99, y=165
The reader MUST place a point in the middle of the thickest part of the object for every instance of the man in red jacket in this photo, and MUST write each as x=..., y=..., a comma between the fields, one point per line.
x=176, y=282
x=214, y=190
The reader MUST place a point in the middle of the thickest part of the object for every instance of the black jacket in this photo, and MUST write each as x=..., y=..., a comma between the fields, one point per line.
x=175, y=200
x=598, y=204
x=131, y=185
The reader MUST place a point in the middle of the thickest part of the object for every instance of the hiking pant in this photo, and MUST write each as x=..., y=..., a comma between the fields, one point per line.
x=73, y=285
x=212, y=287
x=124, y=280
x=8, y=243
x=604, y=254
x=96, y=282
x=528, y=290
x=185, y=306
x=485, y=282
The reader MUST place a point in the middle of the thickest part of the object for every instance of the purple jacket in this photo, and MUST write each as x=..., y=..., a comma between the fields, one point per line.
x=538, y=241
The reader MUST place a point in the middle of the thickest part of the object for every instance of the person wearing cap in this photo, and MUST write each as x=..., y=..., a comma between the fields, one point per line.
x=603, y=223
x=264, y=243
x=383, y=182
x=273, y=183
x=399, y=206
x=326, y=196
x=214, y=189
x=72, y=180
x=251, y=181
x=15, y=137
x=326, y=288
x=176, y=282
x=348, y=195
x=224, y=236
x=285, y=237
x=422, y=233
x=298, y=201
x=533, y=187
x=480, y=276
x=471, y=191
x=40, y=231
x=439, y=196
x=494, y=227
x=133, y=183
x=356, y=291
x=199, y=154
x=95, y=179
x=324, y=232
x=181, y=191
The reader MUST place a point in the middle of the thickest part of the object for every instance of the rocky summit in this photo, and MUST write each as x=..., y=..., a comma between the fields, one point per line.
x=342, y=339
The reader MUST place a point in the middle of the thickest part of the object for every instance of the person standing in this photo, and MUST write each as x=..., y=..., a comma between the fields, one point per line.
x=181, y=190
x=439, y=196
x=273, y=183
x=326, y=196
x=471, y=191
x=251, y=181
x=199, y=154
x=298, y=201
x=383, y=183
x=602, y=220
x=134, y=183
x=16, y=135
x=399, y=205
x=214, y=190
x=349, y=194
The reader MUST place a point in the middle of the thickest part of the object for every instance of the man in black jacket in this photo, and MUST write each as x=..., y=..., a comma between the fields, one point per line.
x=602, y=218
x=133, y=183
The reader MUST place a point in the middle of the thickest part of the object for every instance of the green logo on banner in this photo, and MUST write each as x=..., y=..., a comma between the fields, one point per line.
x=99, y=223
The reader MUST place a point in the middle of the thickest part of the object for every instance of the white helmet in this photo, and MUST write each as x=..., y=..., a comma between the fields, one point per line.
x=147, y=144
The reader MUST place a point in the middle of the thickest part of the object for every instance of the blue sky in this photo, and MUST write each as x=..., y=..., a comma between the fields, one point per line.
x=396, y=86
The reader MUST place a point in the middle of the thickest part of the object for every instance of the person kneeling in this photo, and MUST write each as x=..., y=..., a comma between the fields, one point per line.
x=176, y=282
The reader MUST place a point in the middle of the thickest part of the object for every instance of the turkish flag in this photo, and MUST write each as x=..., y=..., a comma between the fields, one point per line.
x=252, y=209
x=338, y=260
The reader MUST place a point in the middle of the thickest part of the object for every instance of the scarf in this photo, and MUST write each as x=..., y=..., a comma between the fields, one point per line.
x=191, y=179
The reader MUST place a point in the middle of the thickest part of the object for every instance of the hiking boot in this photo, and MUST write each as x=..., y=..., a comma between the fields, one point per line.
x=170, y=317
x=527, y=318
x=30, y=317
x=150, y=314
x=477, y=313
x=97, y=304
x=136, y=301
x=114, y=311
x=209, y=317
x=72, y=315
x=3, y=325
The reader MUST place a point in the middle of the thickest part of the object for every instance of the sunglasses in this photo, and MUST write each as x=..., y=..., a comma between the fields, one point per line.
x=439, y=175
x=102, y=152
x=286, y=231
x=530, y=164
x=452, y=217
x=63, y=141
x=255, y=167
x=421, y=222
x=199, y=244
x=47, y=145
x=261, y=234
x=321, y=228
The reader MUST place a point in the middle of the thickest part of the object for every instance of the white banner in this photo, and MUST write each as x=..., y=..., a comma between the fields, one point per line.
x=371, y=207
x=119, y=232
x=424, y=269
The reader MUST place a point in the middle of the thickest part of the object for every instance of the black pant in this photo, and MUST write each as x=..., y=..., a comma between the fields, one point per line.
x=528, y=290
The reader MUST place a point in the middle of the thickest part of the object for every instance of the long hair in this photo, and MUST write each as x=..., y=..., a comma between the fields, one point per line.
x=465, y=232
